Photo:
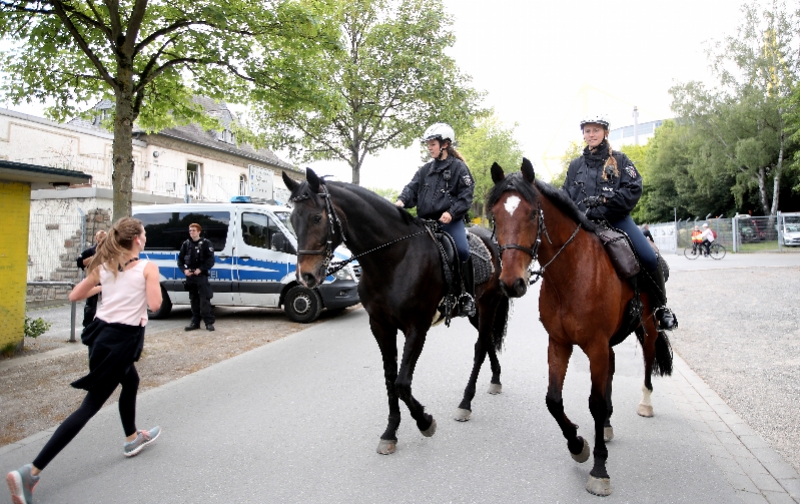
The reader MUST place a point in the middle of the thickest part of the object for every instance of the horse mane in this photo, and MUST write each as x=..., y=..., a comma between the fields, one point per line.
x=377, y=204
x=515, y=182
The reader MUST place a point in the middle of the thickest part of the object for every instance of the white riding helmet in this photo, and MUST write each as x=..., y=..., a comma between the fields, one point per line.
x=600, y=119
x=439, y=131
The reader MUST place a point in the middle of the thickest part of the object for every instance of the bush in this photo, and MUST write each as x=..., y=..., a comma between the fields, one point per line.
x=36, y=327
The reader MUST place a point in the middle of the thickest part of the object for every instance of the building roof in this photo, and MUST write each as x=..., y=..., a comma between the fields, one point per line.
x=194, y=134
x=40, y=177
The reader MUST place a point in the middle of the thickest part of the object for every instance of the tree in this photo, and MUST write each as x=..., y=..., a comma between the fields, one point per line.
x=389, y=78
x=742, y=121
x=488, y=142
x=151, y=58
x=575, y=150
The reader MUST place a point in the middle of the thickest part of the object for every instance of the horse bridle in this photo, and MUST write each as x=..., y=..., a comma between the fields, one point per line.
x=533, y=251
x=331, y=266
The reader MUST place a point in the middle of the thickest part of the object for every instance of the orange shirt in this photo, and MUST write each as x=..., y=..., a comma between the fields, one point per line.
x=696, y=236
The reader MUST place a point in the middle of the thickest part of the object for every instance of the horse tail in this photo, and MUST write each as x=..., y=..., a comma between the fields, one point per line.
x=500, y=323
x=663, y=361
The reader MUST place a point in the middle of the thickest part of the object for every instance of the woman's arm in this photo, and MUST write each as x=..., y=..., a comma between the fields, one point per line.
x=84, y=289
x=152, y=286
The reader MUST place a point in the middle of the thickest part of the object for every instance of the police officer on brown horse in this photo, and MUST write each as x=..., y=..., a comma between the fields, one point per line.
x=605, y=184
x=196, y=259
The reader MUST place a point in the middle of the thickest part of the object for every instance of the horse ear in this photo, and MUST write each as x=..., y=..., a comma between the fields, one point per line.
x=290, y=183
x=497, y=173
x=527, y=170
x=313, y=180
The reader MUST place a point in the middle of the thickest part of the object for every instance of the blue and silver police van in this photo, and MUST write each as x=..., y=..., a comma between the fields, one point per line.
x=255, y=257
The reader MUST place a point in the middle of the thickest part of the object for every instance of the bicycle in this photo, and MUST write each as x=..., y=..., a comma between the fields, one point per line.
x=715, y=251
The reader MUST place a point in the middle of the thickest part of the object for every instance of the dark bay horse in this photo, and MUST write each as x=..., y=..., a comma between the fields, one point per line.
x=402, y=284
x=582, y=302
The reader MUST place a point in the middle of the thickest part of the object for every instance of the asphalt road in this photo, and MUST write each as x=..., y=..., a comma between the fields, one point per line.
x=298, y=420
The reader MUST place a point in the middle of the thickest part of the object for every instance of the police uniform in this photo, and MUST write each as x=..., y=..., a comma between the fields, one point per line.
x=198, y=255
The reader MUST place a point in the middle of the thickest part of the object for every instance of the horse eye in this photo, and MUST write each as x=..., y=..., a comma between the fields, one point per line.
x=317, y=219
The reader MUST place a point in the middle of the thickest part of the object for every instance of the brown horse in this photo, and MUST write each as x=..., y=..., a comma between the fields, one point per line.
x=401, y=287
x=582, y=302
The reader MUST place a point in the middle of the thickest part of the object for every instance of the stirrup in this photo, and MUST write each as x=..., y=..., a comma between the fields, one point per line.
x=466, y=306
x=666, y=319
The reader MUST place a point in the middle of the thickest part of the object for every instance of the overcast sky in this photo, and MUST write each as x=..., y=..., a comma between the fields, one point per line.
x=544, y=63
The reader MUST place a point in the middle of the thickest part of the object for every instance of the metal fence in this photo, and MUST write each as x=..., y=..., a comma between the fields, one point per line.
x=740, y=234
x=54, y=243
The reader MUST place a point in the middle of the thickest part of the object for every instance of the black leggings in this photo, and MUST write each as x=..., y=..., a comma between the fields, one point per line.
x=94, y=400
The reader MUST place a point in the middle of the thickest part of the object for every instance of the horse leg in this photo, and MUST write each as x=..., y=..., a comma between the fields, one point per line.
x=608, y=430
x=648, y=341
x=557, y=360
x=415, y=341
x=482, y=346
x=386, y=336
x=599, y=358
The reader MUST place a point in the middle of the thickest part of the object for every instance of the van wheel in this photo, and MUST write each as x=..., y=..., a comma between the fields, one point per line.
x=302, y=304
x=163, y=311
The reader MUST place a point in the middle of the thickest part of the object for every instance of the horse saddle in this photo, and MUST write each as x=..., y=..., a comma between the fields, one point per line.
x=482, y=265
x=620, y=250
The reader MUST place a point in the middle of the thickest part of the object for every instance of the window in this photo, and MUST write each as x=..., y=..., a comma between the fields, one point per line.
x=260, y=231
x=242, y=185
x=193, y=176
x=168, y=230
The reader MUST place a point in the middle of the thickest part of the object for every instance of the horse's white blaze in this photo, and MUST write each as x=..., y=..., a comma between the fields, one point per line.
x=511, y=204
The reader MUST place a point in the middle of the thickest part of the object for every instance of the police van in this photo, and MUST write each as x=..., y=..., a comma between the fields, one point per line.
x=255, y=258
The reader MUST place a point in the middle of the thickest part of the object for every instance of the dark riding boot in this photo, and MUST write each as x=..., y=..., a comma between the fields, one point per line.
x=658, y=292
x=466, y=300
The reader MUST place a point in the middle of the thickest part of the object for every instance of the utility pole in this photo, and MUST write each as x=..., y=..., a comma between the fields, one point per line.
x=636, y=125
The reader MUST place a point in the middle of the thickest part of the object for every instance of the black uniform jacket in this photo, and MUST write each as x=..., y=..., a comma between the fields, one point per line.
x=585, y=178
x=439, y=187
x=196, y=255
x=89, y=252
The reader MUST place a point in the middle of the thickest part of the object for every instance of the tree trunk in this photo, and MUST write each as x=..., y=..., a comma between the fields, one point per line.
x=762, y=189
x=776, y=185
x=122, y=150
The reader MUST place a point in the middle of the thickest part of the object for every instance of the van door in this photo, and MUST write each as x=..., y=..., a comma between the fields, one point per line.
x=259, y=264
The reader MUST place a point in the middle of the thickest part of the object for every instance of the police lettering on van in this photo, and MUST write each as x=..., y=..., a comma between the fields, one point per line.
x=255, y=258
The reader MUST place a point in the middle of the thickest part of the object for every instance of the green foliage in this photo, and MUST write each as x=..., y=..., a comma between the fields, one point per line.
x=385, y=81
x=487, y=143
x=151, y=58
x=574, y=151
x=738, y=129
x=36, y=327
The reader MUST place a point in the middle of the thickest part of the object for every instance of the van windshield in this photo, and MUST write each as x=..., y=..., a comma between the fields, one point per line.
x=284, y=218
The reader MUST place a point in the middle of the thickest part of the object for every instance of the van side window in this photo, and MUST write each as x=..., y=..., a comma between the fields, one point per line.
x=258, y=230
x=168, y=230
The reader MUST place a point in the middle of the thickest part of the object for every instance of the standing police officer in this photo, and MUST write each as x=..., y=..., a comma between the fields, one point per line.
x=195, y=259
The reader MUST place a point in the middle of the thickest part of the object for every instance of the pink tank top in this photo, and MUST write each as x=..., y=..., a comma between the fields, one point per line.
x=124, y=299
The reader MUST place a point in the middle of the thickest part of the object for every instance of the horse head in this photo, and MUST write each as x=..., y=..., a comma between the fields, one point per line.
x=514, y=206
x=318, y=229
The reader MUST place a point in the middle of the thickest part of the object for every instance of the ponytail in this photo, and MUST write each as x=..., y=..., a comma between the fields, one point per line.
x=111, y=252
x=611, y=161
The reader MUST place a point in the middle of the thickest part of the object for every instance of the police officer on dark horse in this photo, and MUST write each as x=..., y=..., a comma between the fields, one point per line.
x=606, y=186
x=442, y=190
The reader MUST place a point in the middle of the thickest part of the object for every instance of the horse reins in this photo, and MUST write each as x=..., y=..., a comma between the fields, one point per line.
x=533, y=251
x=331, y=266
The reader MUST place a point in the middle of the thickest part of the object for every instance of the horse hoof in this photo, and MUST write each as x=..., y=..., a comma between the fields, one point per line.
x=583, y=456
x=495, y=388
x=608, y=433
x=462, y=415
x=599, y=486
x=430, y=431
x=645, y=410
x=387, y=446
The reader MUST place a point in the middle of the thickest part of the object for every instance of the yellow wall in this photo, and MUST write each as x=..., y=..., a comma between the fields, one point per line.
x=15, y=203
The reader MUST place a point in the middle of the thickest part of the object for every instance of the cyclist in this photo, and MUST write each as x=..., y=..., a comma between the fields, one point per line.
x=707, y=238
x=696, y=239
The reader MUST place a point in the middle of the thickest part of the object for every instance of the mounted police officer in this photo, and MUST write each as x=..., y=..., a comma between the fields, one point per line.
x=605, y=185
x=195, y=259
x=442, y=190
